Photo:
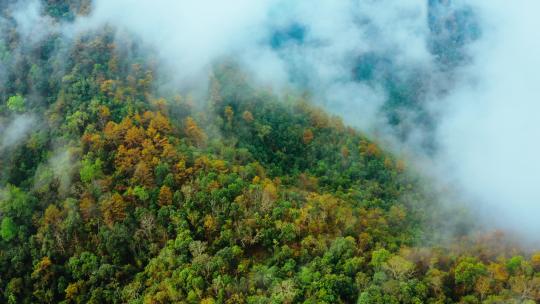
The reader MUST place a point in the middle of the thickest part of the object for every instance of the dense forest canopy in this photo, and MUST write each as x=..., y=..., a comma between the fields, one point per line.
x=117, y=188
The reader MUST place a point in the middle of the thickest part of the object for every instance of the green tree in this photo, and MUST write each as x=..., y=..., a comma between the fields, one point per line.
x=8, y=229
x=16, y=103
x=90, y=170
x=468, y=271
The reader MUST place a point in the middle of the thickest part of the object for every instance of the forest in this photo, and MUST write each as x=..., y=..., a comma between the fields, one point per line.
x=116, y=190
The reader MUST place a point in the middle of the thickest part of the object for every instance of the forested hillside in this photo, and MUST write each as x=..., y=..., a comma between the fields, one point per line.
x=115, y=190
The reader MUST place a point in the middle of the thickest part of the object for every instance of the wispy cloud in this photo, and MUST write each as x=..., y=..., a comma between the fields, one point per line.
x=15, y=130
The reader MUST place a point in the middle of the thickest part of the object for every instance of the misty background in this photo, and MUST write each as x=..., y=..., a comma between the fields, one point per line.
x=451, y=85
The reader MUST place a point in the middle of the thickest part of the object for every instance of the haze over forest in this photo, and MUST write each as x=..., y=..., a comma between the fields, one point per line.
x=272, y=151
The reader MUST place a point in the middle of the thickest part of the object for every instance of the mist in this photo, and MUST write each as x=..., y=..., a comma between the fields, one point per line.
x=282, y=44
x=15, y=131
x=489, y=132
x=476, y=77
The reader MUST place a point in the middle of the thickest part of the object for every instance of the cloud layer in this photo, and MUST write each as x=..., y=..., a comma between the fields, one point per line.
x=490, y=132
x=307, y=44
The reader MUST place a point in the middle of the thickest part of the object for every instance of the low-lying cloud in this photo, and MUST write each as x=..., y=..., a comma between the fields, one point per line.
x=306, y=44
x=489, y=134
x=15, y=131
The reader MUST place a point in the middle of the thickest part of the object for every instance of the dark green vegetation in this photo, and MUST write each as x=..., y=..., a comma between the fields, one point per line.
x=120, y=194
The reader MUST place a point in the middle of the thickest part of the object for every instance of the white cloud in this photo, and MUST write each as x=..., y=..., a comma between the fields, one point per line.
x=190, y=36
x=12, y=132
x=490, y=133
x=32, y=24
